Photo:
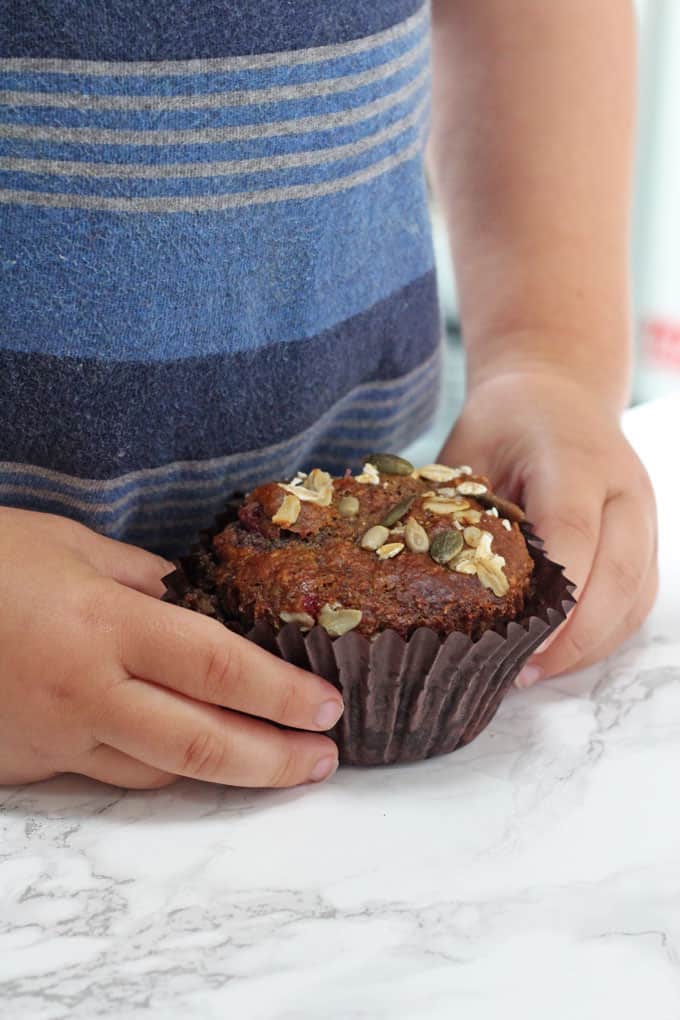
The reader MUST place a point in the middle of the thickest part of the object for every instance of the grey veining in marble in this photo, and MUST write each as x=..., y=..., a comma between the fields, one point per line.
x=534, y=874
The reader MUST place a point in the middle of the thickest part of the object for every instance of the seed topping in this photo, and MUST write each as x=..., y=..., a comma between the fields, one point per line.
x=446, y=545
x=322, y=496
x=390, y=464
x=440, y=505
x=482, y=561
x=348, y=506
x=469, y=517
x=438, y=473
x=502, y=506
x=473, y=536
x=288, y=512
x=336, y=620
x=389, y=550
x=396, y=512
x=369, y=475
x=375, y=537
x=317, y=480
x=303, y=620
x=415, y=536
x=471, y=488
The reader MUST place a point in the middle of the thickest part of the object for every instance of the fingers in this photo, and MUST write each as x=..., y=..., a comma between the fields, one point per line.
x=199, y=657
x=175, y=734
x=629, y=625
x=109, y=765
x=617, y=597
x=567, y=515
x=129, y=565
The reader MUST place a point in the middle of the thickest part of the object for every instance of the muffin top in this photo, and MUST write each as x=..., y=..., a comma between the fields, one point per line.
x=392, y=547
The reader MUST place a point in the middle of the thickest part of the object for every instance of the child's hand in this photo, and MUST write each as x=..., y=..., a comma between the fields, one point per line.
x=547, y=443
x=97, y=676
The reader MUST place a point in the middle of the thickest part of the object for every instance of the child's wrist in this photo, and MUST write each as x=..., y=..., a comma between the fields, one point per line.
x=533, y=360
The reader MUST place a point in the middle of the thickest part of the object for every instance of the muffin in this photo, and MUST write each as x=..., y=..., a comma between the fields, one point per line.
x=418, y=592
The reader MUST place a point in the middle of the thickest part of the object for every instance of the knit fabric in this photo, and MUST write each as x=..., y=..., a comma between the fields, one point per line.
x=215, y=254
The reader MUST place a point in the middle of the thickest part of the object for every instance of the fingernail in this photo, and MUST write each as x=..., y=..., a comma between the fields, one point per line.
x=324, y=768
x=529, y=676
x=328, y=714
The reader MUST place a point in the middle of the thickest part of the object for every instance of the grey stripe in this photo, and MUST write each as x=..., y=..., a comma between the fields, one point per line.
x=209, y=136
x=148, y=497
x=397, y=440
x=208, y=203
x=404, y=434
x=147, y=500
x=417, y=377
x=223, y=168
x=152, y=68
x=216, y=100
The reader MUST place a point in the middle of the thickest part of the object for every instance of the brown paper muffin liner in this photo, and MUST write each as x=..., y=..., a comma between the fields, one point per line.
x=405, y=700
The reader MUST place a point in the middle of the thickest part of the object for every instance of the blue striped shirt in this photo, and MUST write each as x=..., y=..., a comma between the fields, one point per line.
x=215, y=253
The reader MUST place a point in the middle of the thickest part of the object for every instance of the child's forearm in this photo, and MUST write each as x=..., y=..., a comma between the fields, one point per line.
x=531, y=156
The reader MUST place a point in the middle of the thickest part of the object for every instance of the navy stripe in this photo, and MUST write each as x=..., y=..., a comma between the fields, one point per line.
x=139, y=415
x=352, y=423
x=378, y=403
x=154, y=525
x=186, y=29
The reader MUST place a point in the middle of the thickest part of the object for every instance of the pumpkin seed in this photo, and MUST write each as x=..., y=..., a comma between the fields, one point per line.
x=389, y=550
x=390, y=464
x=288, y=512
x=375, y=537
x=397, y=511
x=446, y=545
x=304, y=620
x=348, y=506
x=449, y=493
x=471, y=489
x=336, y=620
x=416, y=536
x=502, y=506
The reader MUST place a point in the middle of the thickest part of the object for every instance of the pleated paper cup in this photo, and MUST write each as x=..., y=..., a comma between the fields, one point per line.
x=404, y=700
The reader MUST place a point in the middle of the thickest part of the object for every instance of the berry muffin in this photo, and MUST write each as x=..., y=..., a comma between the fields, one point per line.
x=417, y=591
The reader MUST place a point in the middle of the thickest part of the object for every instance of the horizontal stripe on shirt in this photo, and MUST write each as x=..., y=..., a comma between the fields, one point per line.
x=33, y=34
x=216, y=267
x=166, y=505
x=195, y=406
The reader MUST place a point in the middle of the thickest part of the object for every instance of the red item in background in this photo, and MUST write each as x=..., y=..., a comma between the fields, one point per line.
x=662, y=343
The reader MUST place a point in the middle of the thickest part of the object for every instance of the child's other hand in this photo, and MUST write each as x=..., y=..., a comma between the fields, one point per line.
x=99, y=677
x=547, y=443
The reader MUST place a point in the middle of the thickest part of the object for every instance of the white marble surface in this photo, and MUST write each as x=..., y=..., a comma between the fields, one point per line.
x=533, y=874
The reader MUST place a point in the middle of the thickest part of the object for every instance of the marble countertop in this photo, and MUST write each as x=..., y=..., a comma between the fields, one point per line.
x=534, y=874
